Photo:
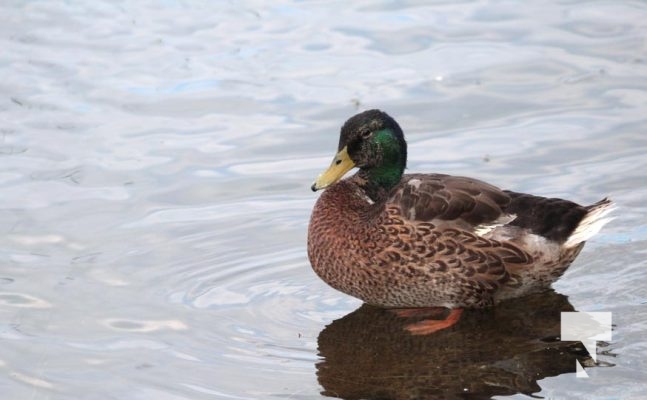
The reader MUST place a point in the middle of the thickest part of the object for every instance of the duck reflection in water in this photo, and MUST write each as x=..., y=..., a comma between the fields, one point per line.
x=500, y=351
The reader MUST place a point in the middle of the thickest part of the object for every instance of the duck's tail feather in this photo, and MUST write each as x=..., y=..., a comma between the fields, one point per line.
x=595, y=218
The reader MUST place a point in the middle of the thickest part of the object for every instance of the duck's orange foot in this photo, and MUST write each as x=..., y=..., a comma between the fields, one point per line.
x=429, y=326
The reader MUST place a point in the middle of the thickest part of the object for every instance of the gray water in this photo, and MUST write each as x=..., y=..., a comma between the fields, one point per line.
x=155, y=164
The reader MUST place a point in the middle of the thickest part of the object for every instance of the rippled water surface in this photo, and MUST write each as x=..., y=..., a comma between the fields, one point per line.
x=155, y=164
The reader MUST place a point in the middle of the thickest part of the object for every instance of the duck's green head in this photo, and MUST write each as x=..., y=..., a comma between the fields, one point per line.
x=373, y=142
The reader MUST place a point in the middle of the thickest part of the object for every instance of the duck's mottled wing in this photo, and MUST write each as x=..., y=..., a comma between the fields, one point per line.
x=458, y=212
x=466, y=201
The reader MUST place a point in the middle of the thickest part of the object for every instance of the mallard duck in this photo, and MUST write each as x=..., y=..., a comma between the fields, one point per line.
x=413, y=242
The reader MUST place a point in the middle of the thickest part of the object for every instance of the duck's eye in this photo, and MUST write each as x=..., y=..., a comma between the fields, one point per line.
x=365, y=135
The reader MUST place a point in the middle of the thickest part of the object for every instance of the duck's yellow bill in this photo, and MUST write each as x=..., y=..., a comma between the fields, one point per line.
x=338, y=168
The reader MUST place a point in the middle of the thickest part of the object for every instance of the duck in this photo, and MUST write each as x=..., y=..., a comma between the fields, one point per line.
x=425, y=244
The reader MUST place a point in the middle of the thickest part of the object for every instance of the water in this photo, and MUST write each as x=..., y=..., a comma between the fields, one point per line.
x=155, y=164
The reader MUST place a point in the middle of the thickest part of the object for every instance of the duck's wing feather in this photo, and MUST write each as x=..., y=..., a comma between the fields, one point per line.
x=465, y=209
x=467, y=202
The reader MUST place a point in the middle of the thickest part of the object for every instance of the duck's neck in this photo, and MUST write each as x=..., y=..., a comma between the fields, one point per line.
x=378, y=182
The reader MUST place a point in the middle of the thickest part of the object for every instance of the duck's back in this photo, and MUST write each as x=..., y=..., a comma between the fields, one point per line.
x=478, y=207
x=549, y=231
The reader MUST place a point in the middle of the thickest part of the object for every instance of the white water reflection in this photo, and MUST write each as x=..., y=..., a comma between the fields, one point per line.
x=22, y=300
x=144, y=325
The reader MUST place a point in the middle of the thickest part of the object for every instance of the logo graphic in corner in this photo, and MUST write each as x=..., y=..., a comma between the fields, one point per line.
x=588, y=328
